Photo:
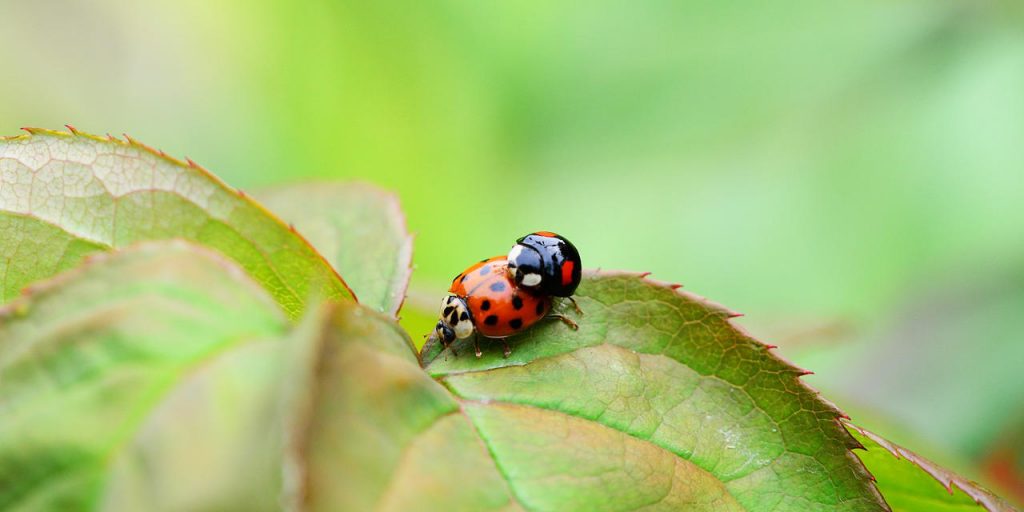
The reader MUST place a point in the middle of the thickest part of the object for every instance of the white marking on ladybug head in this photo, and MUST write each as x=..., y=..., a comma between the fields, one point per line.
x=513, y=255
x=531, y=280
x=464, y=329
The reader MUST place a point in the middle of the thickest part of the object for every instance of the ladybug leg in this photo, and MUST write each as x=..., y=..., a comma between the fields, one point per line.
x=577, y=306
x=476, y=345
x=508, y=348
x=565, y=320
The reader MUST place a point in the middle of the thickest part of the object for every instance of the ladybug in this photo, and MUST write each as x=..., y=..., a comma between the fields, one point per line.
x=546, y=263
x=483, y=299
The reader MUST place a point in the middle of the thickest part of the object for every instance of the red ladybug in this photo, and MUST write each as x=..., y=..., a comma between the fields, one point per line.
x=484, y=299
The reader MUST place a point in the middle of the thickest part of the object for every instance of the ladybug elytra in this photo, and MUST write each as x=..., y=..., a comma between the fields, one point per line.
x=485, y=300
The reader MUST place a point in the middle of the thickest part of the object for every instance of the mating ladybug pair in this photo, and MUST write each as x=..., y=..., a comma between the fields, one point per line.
x=501, y=296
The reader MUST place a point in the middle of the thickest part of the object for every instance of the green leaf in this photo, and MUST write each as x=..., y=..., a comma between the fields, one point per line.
x=372, y=430
x=657, y=399
x=152, y=378
x=141, y=381
x=63, y=195
x=359, y=228
x=910, y=482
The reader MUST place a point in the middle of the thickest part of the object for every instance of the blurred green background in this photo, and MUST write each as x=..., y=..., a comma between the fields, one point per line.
x=850, y=175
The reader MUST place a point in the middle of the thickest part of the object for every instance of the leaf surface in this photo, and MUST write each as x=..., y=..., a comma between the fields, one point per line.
x=371, y=431
x=141, y=381
x=63, y=195
x=910, y=482
x=359, y=228
x=154, y=379
x=656, y=401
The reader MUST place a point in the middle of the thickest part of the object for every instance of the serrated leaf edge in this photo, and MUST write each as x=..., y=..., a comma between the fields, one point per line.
x=840, y=416
x=189, y=163
x=947, y=478
x=851, y=443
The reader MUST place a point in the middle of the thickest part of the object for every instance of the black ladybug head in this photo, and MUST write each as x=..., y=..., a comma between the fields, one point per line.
x=526, y=266
x=445, y=333
x=545, y=262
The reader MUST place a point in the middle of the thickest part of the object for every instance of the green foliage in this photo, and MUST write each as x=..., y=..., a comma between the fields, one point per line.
x=654, y=365
x=359, y=228
x=141, y=381
x=68, y=194
x=912, y=483
x=825, y=166
x=170, y=374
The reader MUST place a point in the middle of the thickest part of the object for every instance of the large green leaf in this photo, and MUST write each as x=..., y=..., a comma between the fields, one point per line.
x=359, y=228
x=656, y=399
x=63, y=195
x=152, y=379
x=371, y=429
x=913, y=483
x=374, y=432
x=143, y=381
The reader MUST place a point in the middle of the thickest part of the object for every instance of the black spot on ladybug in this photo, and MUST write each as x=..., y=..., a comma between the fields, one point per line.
x=515, y=323
x=517, y=302
x=485, y=305
x=464, y=316
x=540, y=308
x=485, y=270
x=498, y=287
x=447, y=311
x=491, y=320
